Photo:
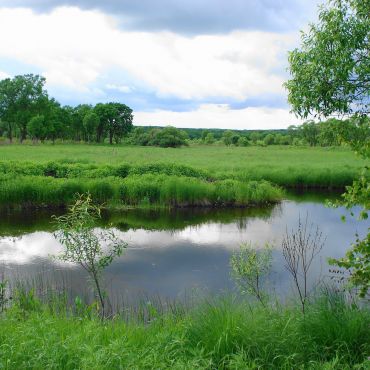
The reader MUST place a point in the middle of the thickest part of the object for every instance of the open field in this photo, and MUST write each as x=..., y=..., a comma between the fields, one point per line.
x=193, y=176
x=284, y=165
x=212, y=158
x=216, y=335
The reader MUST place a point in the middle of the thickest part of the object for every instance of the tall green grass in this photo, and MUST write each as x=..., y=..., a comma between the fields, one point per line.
x=136, y=190
x=221, y=334
x=290, y=176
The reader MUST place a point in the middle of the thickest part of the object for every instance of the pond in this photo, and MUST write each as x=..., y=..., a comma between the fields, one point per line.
x=173, y=253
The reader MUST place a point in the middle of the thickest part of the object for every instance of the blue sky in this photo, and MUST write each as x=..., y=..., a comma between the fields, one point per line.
x=194, y=63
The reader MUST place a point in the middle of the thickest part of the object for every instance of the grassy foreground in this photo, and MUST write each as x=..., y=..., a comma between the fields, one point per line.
x=216, y=335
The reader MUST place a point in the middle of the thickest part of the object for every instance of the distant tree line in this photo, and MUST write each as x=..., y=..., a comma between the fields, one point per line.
x=332, y=132
x=27, y=111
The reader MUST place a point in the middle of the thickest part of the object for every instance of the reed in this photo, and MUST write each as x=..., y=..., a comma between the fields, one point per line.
x=138, y=190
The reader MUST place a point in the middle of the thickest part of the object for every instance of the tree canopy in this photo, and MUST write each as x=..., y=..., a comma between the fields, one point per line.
x=26, y=109
x=330, y=75
x=331, y=70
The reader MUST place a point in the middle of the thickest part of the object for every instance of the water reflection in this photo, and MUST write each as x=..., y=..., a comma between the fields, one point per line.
x=172, y=252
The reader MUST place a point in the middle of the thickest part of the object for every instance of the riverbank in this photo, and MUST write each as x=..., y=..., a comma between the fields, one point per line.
x=222, y=334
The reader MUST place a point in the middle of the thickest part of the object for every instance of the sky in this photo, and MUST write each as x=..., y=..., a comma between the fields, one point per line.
x=186, y=63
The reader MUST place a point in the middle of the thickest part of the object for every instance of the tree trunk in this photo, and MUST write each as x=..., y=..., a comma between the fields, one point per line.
x=10, y=133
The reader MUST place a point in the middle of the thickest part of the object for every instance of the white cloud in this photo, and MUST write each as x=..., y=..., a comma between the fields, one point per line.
x=219, y=116
x=74, y=47
x=121, y=88
x=3, y=75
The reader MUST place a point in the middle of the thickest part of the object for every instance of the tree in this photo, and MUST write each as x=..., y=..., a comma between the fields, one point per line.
x=84, y=245
x=243, y=141
x=79, y=113
x=269, y=139
x=254, y=136
x=330, y=75
x=310, y=132
x=210, y=138
x=168, y=137
x=330, y=72
x=21, y=98
x=329, y=132
x=300, y=247
x=36, y=127
x=204, y=135
x=249, y=268
x=227, y=137
x=115, y=118
x=90, y=124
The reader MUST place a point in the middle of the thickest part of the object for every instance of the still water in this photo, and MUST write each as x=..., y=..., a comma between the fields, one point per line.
x=172, y=253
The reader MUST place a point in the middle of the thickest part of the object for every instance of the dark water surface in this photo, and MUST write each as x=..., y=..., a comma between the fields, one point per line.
x=172, y=253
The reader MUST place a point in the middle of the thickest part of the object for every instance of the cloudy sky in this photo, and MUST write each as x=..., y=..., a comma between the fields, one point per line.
x=187, y=63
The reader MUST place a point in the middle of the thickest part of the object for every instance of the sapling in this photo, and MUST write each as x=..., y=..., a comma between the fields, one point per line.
x=300, y=247
x=93, y=249
x=249, y=268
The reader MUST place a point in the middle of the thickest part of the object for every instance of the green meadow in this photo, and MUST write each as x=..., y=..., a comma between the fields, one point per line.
x=190, y=176
x=216, y=159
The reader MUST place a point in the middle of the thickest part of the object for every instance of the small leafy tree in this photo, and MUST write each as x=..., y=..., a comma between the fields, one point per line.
x=93, y=250
x=249, y=268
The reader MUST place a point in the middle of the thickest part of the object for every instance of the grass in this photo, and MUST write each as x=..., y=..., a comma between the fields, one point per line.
x=220, y=334
x=147, y=176
x=285, y=165
x=144, y=190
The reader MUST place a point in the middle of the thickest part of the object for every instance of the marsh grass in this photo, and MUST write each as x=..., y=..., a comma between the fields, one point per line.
x=136, y=190
x=220, y=333
x=147, y=177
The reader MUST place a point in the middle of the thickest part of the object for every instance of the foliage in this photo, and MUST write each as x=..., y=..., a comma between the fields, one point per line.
x=114, y=118
x=167, y=137
x=21, y=98
x=310, y=132
x=90, y=123
x=93, y=250
x=330, y=72
x=331, y=75
x=209, y=138
x=36, y=127
x=249, y=269
x=357, y=261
